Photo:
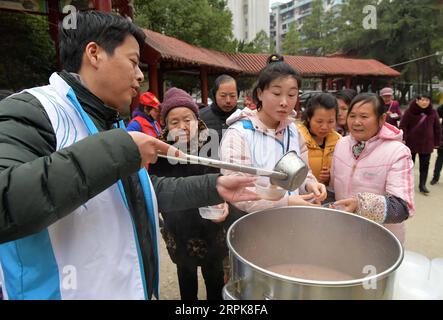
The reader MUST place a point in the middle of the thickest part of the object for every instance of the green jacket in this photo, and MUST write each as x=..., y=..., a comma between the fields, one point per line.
x=39, y=185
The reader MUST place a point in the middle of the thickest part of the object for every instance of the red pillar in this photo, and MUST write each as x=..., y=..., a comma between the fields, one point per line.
x=348, y=82
x=330, y=84
x=153, y=59
x=125, y=8
x=53, y=20
x=153, y=79
x=160, y=81
x=103, y=5
x=323, y=84
x=204, y=84
x=131, y=11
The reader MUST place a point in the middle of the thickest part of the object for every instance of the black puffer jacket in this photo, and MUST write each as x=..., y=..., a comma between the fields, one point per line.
x=39, y=185
x=190, y=238
x=215, y=118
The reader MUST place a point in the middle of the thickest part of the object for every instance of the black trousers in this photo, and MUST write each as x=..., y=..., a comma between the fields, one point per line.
x=424, y=166
x=438, y=164
x=213, y=275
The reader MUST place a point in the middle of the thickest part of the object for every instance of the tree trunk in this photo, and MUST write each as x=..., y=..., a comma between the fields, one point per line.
x=419, y=77
x=404, y=90
x=430, y=77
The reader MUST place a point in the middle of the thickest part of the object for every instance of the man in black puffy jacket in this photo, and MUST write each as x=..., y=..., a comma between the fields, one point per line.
x=78, y=218
x=225, y=96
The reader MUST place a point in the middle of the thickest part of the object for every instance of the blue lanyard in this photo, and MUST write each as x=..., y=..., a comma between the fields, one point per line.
x=144, y=181
x=282, y=143
x=92, y=129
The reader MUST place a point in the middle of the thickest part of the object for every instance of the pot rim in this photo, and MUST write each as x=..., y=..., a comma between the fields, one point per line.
x=300, y=281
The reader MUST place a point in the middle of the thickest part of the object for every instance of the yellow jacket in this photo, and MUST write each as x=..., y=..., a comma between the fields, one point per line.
x=319, y=158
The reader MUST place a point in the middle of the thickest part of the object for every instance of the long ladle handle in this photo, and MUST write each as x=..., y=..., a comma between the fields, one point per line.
x=226, y=165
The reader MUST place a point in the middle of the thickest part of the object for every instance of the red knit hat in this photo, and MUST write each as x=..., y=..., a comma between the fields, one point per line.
x=150, y=100
x=176, y=97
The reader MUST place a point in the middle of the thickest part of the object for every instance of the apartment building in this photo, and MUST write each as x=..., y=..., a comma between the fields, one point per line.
x=284, y=13
x=249, y=17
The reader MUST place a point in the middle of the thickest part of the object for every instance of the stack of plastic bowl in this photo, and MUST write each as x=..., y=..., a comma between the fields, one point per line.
x=436, y=275
x=211, y=213
x=413, y=278
x=268, y=191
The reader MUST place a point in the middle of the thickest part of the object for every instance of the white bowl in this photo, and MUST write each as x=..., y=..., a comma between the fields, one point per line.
x=410, y=288
x=210, y=213
x=436, y=274
x=411, y=277
x=268, y=191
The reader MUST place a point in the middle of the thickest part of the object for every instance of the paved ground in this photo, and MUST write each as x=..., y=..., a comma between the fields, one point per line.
x=424, y=235
x=425, y=230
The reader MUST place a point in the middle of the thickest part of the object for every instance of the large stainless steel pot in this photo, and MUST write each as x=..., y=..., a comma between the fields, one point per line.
x=312, y=236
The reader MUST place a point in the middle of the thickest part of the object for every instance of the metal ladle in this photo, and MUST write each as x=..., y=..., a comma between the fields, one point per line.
x=289, y=172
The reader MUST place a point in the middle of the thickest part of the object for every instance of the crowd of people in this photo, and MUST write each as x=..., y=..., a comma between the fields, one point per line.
x=96, y=190
x=344, y=138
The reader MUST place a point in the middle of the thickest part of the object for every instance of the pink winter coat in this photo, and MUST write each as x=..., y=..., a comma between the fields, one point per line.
x=384, y=168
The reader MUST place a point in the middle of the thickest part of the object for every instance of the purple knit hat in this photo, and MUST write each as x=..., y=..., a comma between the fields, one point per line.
x=174, y=98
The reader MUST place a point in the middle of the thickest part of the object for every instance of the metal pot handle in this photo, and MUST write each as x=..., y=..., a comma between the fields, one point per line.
x=230, y=293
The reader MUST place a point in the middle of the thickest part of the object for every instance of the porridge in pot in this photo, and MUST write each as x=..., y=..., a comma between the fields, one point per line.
x=310, y=272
